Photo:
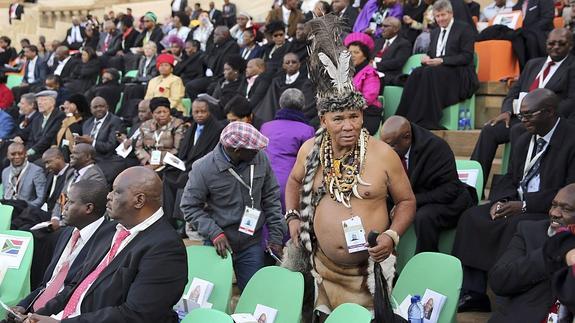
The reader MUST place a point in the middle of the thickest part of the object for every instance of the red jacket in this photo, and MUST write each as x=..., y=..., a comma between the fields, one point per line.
x=6, y=97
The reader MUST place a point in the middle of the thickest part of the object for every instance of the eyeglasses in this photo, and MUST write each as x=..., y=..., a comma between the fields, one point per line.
x=291, y=62
x=278, y=35
x=529, y=115
x=557, y=43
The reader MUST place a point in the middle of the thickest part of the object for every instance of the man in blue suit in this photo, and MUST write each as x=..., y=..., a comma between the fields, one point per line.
x=84, y=215
x=35, y=72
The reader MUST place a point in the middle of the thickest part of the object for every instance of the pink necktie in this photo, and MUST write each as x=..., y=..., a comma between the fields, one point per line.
x=74, y=300
x=58, y=281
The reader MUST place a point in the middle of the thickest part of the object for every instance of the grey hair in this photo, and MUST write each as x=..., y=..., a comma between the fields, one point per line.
x=442, y=5
x=30, y=98
x=292, y=99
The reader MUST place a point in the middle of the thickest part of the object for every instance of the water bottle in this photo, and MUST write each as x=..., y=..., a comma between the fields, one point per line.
x=415, y=311
x=467, y=119
x=461, y=120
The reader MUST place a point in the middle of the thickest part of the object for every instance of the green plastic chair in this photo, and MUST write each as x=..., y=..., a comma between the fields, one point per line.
x=450, y=117
x=391, y=97
x=413, y=62
x=505, y=158
x=187, y=103
x=16, y=283
x=205, y=315
x=436, y=271
x=132, y=73
x=277, y=288
x=204, y=263
x=119, y=104
x=14, y=80
x=5, y=217
x=348, y=312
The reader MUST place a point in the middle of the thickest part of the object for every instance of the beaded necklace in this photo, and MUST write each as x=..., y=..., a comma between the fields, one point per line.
x=342, y=176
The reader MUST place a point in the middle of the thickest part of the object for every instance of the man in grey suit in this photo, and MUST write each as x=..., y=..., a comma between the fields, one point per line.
x=22, y=180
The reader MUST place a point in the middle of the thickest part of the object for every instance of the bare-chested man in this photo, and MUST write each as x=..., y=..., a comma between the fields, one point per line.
x=336, y=194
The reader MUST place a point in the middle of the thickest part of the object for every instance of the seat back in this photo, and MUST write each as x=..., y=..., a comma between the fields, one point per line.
x=5, y=217
x=132, y=73
x=14, y=80
x=205, y=315
x=436, y=271
x=472, y=165
x=348, y=312
x=391, y=98
x=16, y=283
x=277, y=288
x=413, y=62
x=204, y=263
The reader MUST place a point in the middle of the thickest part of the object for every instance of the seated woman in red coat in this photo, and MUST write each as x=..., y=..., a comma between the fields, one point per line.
x=366, y=80
x=6, y=97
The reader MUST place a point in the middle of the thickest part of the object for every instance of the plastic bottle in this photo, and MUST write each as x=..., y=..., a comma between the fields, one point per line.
x=461, y=119
x=415, y=311
x=467, y=119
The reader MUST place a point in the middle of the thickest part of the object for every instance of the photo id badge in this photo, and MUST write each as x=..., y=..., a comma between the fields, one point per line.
x=156, y=157
x=354, y=234
x=249, y=221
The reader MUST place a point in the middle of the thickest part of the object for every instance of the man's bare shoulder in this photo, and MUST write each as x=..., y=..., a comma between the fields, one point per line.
x=379, y=148
x=306, y=147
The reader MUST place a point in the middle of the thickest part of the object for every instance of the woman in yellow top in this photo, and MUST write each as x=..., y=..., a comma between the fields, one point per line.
x=163, y=133
x=77, y=111
x=166, y=84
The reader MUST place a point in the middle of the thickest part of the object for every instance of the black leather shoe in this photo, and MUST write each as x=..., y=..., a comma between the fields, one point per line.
x=473, y=302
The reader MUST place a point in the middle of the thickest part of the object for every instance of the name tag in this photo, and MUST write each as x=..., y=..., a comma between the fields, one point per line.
x=249, y=221
x=156, y=157
x=44, y=207
x=354, y=234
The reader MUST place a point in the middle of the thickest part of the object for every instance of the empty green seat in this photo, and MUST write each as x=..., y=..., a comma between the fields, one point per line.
x=14, y=80
x=347, y=313
x=5, y=217
x=16, y=283
x=204, y=315
x=132, y=73
x=413, y=62
x=391, y=97
x=187, y=103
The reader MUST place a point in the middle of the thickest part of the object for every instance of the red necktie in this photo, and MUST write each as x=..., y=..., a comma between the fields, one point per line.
x=58, y=281
x=74, y=300
x=107, y=42
x=535, y=84
x=383, y=50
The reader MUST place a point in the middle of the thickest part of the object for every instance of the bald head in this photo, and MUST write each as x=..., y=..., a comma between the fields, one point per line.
x=396, y=132
x=559, y=44
x=53, y=160
x=538, y=111
x=391, y=27
x=82, y=155
x=255, y=66
x=562, y=211
x=135, y=196
x=16, y=154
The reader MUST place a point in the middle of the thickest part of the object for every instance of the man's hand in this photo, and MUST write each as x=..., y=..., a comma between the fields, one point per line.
x=83, y=139
x=55, y=224
x=505, y=209
x=19, y=140
x=222, y=246
x=383, y=249
x=23, y=84
x=504, y=117
x=407, y=20
x=35, y=318
x=424, y=59
x=570, y=257
x=18, y=309
x=277, y=249
x=434, y=62
x=294, y=229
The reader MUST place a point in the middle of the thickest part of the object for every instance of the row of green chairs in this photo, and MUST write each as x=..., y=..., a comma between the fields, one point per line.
x=408, y=241
x=16, y=283
x=14, y=80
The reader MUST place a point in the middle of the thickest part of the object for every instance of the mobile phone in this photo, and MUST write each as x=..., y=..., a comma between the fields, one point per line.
x=16, y=316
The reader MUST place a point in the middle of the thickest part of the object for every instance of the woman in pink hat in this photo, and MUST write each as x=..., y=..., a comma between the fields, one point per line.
x=366, y=80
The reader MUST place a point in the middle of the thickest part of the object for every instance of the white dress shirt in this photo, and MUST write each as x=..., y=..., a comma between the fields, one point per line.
x=98, y=127
x=133, y=233
x=61, y=65
x=552, y=71
x=492, y=10
x=176, y=5
x=285, y=14
x=31, y=68
x=291, y=79
x=442, y=41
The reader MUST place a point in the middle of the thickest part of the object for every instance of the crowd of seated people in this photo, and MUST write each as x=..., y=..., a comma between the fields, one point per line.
x=113, y=106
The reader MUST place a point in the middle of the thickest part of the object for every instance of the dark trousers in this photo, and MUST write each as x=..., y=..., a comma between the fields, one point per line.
x=474, y=280
x=197, y=86
x=486, y=147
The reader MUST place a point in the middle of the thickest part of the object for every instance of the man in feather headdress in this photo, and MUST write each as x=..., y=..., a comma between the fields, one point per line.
x=337, y=190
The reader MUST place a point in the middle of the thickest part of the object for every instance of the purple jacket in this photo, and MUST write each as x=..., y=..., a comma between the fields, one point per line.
x=362, y=22
x=286, y=138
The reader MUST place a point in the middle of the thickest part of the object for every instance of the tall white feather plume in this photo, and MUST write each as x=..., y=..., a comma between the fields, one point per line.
x=338, y=74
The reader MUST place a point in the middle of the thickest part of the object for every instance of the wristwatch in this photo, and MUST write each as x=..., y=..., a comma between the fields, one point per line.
x=291, y=214
x=393, y=235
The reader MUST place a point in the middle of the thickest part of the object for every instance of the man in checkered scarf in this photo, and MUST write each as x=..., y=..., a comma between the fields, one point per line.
x=231, y=192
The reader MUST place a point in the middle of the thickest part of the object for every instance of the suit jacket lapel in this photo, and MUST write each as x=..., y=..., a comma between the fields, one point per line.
x=557, y=77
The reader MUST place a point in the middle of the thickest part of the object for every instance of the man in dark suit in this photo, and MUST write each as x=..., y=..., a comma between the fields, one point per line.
x=255, y=85
x=15, y=11
x=537, y=23
x=199, y=139
x=66, y=64
x=541, y=163
x=106, y=37
x=58, y=172
x=84, y=216
x=43, y=130
x=430, y=165
x=520, y=274
x=178, y=6
x=229, y=13
x=75, y=35
x=34, y=73
x=447, y=75
x=560, y=79
x=395, y=51
x=215, y=56
x=22, y=180
x=344, y=10
x=215, y=15
x=100, y=132
x=144, y=271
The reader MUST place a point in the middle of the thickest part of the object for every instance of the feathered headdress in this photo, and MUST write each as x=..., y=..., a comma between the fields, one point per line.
x=330, y=67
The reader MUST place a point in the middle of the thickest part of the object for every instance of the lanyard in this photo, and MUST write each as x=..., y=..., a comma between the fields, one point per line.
x=249, y=187
x=157, y=138
x=15, y=189
x=531, y=161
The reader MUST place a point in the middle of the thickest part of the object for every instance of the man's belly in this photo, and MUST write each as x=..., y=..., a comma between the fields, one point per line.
x=329, y=232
